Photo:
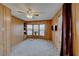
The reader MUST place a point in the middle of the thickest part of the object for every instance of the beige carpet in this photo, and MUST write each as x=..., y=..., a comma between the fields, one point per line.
x=37, y=47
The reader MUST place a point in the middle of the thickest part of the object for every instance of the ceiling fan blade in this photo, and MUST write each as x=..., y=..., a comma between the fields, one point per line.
x=35, y=14
x=38, y=12
x=21, y=12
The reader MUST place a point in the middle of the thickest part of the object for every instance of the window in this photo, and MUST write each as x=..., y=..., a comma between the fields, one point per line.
x=36, y=29
x=42, y=29
x=29, y=29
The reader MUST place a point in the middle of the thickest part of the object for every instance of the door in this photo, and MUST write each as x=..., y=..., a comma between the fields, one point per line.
x=1, y=29
x=5, y=20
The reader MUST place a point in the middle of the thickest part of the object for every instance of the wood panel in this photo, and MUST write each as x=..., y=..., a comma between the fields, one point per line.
x=48, y=31
x=5, y=21
x=77, y=27
x=75, y=17
x=17, y=31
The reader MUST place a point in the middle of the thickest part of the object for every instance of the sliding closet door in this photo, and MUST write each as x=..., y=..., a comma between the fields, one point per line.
x=1, y=30
x=7, y=34
x=5, y=22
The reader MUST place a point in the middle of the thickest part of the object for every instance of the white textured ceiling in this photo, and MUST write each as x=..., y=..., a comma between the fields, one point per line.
x=47, y=10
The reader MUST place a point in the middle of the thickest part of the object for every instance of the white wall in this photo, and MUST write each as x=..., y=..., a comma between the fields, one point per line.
x=57, y=35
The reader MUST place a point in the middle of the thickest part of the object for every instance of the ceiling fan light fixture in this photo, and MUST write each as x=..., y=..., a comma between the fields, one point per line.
x=29, y=16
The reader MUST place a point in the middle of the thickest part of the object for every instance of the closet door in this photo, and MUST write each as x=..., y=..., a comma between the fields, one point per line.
x=7, y=30
x=1, y=29
x=5, y=20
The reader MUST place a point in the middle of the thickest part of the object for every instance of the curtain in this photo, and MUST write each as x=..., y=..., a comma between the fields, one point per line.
x=66, y=45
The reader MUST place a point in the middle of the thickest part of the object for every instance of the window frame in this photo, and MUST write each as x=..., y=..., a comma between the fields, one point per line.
x=38, y=29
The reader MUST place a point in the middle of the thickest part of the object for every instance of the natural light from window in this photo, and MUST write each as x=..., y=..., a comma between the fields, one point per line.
x=36, y=29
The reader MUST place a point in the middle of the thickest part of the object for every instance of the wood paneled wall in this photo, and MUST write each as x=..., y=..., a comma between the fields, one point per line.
x=75, y=23
x=17, y=31
x=5, y=22
x=57, y=35
x=48, y=24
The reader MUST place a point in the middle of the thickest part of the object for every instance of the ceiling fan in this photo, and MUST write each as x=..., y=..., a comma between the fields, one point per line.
x=29, y=13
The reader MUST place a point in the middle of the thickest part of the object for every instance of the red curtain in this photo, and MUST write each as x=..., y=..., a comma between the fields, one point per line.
x=66, y=45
